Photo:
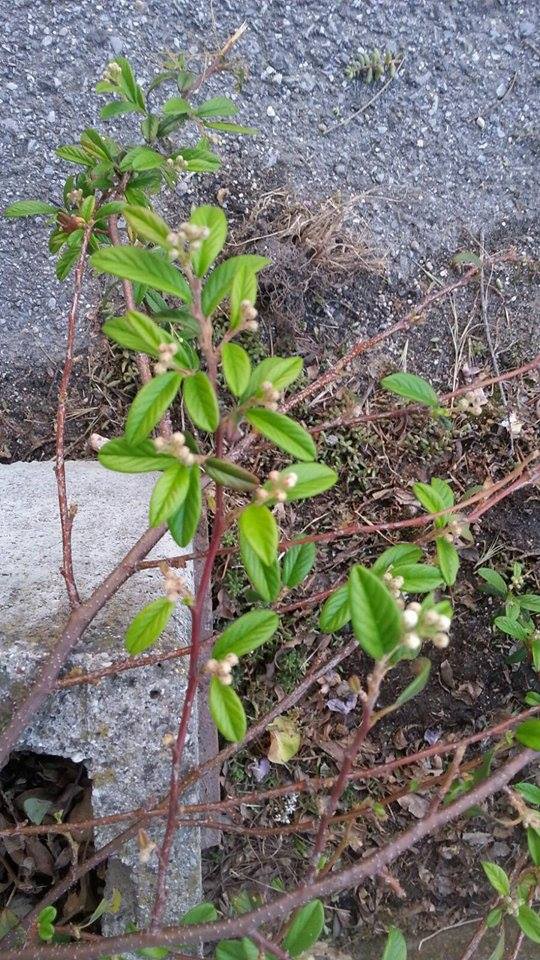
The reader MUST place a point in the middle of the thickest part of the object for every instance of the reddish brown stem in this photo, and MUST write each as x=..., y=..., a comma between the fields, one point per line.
x=67, y=513
x=281, y=908
x=120, y=666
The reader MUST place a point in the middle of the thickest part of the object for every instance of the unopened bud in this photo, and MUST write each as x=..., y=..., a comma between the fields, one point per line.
x=441, y=640
x=412, y=641
x=410, y=618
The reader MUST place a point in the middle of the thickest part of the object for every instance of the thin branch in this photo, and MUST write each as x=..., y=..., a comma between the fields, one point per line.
x=281, y=907
x=67, y=513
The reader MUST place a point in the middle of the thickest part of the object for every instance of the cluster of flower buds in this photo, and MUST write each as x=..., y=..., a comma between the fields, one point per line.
x=395, y=586
x=268, y=396
x=176, y=447
x=473, y=401
x=175, y=588
x=426, y=625
x=222, y=669
x=279, y=487
x=113, y=72
x=75, y=197
x=187, y=238
x=248, y=315
x=455, y=531
x=166, y=356
x=176, y=164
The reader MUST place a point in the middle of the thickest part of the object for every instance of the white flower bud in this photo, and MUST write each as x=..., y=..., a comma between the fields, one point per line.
x=281, y=496
x=290, y=481
x=410, y=617
x=232, y=659
x=416, y=607
x=412, y=641
x=226, y=681
x=441, y=640
x=273, y=476
x=431, y=618
x=398, y=582
x=212, y=666
x=261, y=495
x=251, y=325
x=444, y=622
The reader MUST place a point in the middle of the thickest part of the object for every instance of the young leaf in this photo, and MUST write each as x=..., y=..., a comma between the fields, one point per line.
x=147, y=225
x=530, y=601
x=184, y=522
x=528, y=733
x=284, y=432
x=529, y=921
x=279, y=371
x=246, y=634
x=228, y=474
x=146, y=627
x=227, y=711
x=138, y=332
x=418, y=577
x=399, y=553
x=142, y=158
x=237, y=950
x=121, y=456
x=30, y=208
x=311, y=479
x=236, y=367
x=243, y=288
x=529, y=791
x=494, y=580
x=433, y=500
x=336, y=611
x=169, y=493
x=218, y=284
x=395, y=948
x=265, y=578
x=143, y=266
x=511, y=627
x=533, y=844
x=117, y=108
x=375, y=616
x=259, y=528
x=150, y=404
x=305, y=929
x=297, y=563
x=177, y=105
x=202, y=913
x=448, y=560
x=423, y=665
x=201, y=402
x=224, y=127
x=412, y=387
x=215, y=221
x=217, y=107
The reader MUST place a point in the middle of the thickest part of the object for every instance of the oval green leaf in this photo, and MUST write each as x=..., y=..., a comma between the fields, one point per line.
x=150, y=404
x=146, y=627
x=284, y=432
x=375, y=616
x=227, y=711
x=184, y=522
x=169, y=493
x=236, y=367
x=305, y=929
x=297, y=563
x=142, y=266
x=259, y=528
x=246, y=634
x=201, y=402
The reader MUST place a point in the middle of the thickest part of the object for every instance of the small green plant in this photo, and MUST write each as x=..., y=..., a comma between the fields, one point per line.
x=518, y=620
x=371, y=65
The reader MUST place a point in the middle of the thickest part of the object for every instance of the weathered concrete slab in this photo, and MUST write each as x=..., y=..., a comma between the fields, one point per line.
x=115, y=727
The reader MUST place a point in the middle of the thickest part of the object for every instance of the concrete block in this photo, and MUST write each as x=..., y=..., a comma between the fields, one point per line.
x=114, y=727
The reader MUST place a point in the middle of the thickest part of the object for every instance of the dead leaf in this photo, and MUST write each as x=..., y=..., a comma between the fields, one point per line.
x=415, y=804
x=284, y=740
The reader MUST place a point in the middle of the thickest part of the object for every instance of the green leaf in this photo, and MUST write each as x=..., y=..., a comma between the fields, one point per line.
x=199, y=159
x=184, y=522
x=201, y=402
x=284, y=432
x=418, y=577
x=146, y=627
x=246, y=634
x=129, y=84
x=466, y=257
x=243, y=288
x=237, y=950
x=530, y=601
x=494, y=917
x=529, y=921
x=412, y=387
x=297, y=563
x=336, y=611
x=147, y=224
x=529, y=791
x=259, y=528
x=528, y=733
x=448, y=560
x=202, y=913
x=532, y=699
x=228, y=474
x=433, y=498
x=30, y=208
x=498, y=952
x=142, y=266
x=494, y=580
x=533, y=843
x=169, y=493
x=279, y=371
x=36, y=809
x=215, y=221
x=217, y=107
x=118, y=107
x=265, y=578
x=497, y=877
x=67, y=260
x=218, y=284
x=137, y=331
x=73, y=153
x=423, y=665
x=178, y=106
x=375, y=616
x=311, y=479
x=511, y=627
x=236, y=367
x=121, y=456
x=305, y=928
x=396, y=948
x=399, y=553
x=150, y=404
x=227, y=711
x=226, y=127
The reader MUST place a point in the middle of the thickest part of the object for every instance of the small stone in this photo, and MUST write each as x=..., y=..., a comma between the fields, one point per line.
x=480, y=122
x=270, y=112
x=117, y=44
x=526, y=28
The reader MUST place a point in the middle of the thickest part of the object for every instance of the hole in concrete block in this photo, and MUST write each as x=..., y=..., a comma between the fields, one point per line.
x=155, y=694
x=41, y=789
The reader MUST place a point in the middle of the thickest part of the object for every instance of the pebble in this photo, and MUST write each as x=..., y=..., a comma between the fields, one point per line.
x=526, y=28
x=270, y=112
x=481, y=122
x=117, y=44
